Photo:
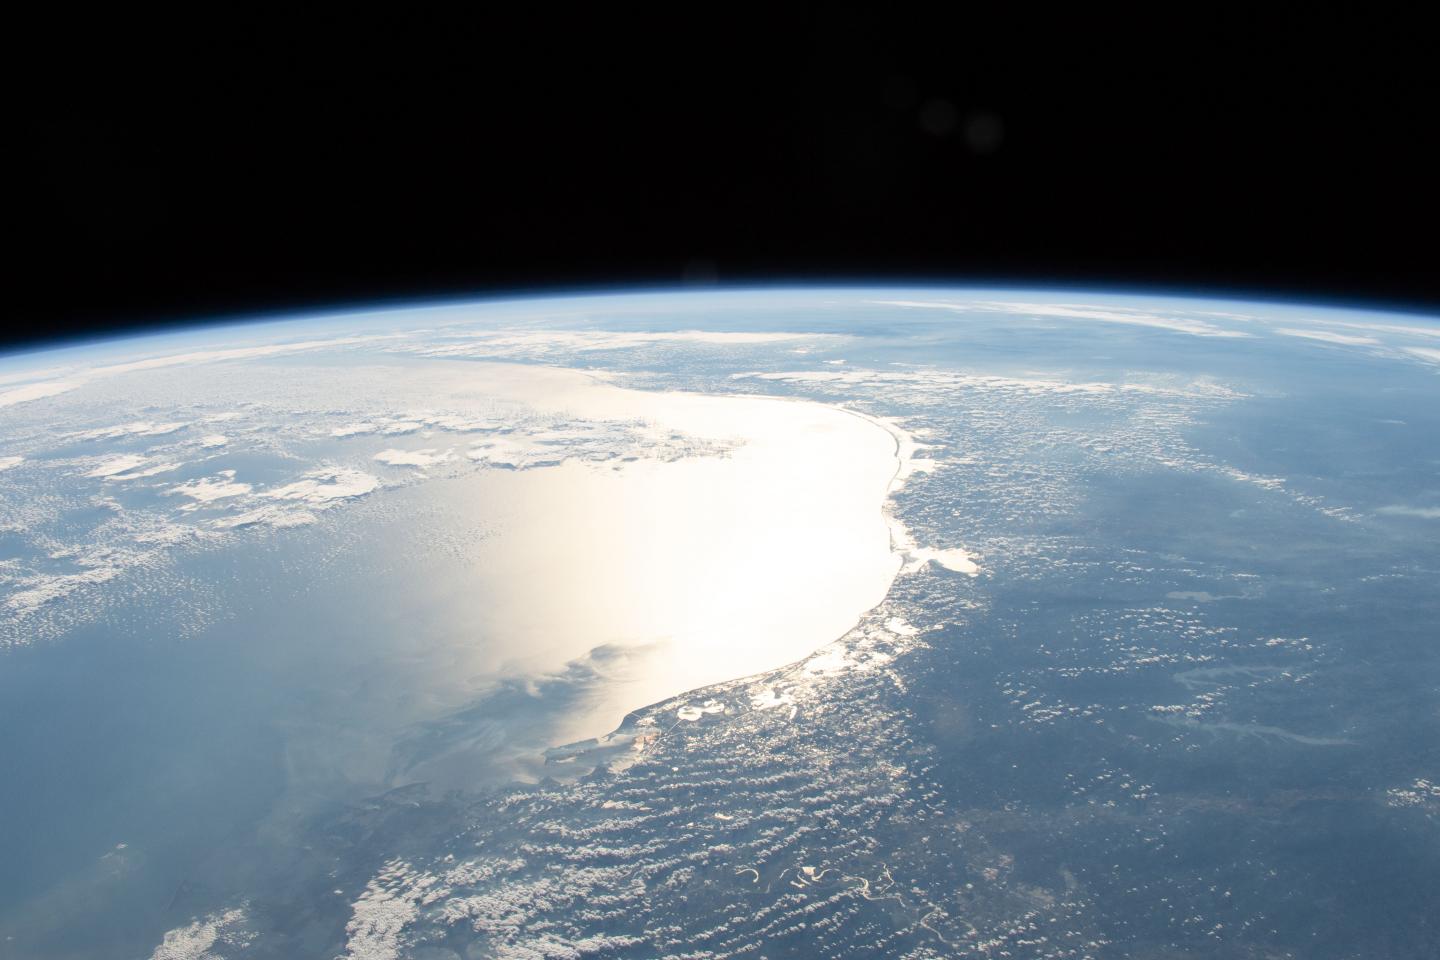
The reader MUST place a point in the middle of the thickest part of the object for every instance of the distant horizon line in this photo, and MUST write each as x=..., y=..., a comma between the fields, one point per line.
x=397, y=303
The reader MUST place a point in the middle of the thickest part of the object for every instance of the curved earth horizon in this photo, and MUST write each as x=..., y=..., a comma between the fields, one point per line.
x=851, y=621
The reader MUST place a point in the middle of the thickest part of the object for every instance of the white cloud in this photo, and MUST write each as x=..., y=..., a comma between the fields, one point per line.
x=462, y=424
x=78, y=377
x=387, y=905
x=126, y=542
x=542, y=342
x=414, y=458
x=1327, y=336
x=196, y=940
x=139, y=428
x=1403, y=329
x=1193, y=327
x=210, y=489
x=269, y=516
x=36, y=391
x=7, y=462
x=129, y=467
x=1399, y=510
x=353, y=429
x=1034, y=386
x=413, y=422
x=118, y=465
x=233, y=353
x=31, y=376
x=326, y=485
x=147, y=472
x=210, y=441
x=1425, y=353
x=44, y=589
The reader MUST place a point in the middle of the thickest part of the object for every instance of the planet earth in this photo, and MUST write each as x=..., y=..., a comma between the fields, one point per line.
x=793, y=622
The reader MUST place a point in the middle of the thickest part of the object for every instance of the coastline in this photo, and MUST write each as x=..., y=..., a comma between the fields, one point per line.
x=642, y=727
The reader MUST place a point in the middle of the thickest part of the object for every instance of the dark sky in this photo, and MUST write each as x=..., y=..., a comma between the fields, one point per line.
x=242, y=165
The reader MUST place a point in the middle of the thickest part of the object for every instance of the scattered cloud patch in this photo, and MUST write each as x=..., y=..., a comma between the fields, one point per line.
x=388, y=904
x=414, y=458
x=416, y=421
x=129, y=466
x=210, y=489
x=268, y=516
x=47, y=589
x=138, y=428
x=118, y=465
x=458, y=424
x=7, y=462
x=147, y=472
x=514, y=453
x=326, y=485
x=198, y=939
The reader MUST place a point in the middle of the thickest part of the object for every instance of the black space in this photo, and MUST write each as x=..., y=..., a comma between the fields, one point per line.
x=241, y=165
